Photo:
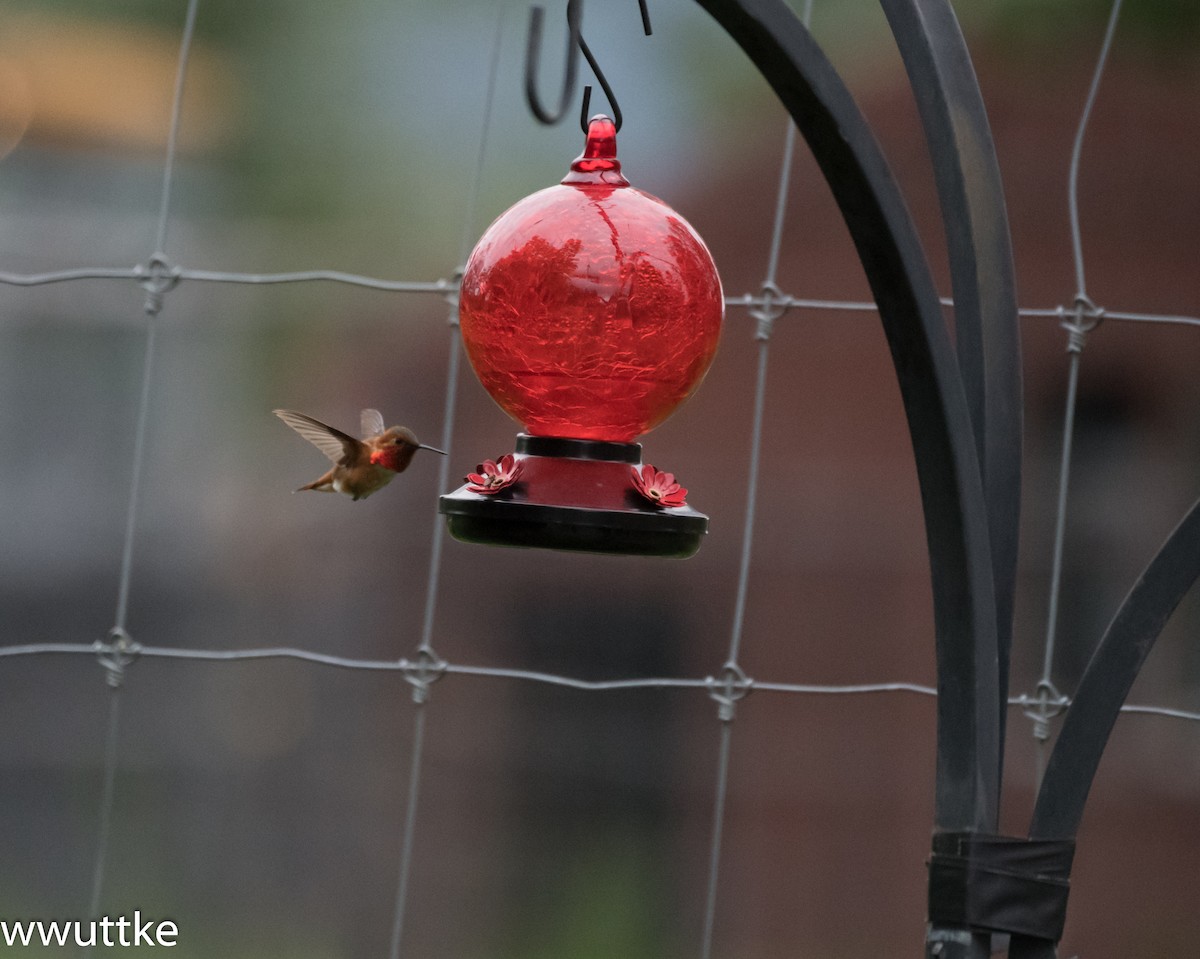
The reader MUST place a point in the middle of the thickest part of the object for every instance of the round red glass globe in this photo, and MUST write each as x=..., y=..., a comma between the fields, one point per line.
x=591, y=310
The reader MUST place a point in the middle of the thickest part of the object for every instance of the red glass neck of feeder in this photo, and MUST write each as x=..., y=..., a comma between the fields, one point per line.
x=598, y=164
x=591, y=310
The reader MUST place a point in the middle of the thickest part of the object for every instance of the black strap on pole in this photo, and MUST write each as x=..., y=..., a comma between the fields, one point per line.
x=1000, y=884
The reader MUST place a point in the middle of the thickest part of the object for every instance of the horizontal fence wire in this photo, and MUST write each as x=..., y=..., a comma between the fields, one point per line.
x=179, y=274
x=443, y=287
x=422, y=669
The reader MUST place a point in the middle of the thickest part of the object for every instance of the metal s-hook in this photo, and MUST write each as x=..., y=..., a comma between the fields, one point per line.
x=574, y=40
x=533, y=56
x=645, y=11
x=587, y=91
x=600, y=78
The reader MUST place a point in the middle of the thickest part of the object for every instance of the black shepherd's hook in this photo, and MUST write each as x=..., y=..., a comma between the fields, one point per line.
x=587, y=91
x=533, y=56
x=574, y=40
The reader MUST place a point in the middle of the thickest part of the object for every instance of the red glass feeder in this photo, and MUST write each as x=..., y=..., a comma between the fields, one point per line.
x=589, y=311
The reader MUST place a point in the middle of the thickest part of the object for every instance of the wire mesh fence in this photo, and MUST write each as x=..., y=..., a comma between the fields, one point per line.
x=388, y=595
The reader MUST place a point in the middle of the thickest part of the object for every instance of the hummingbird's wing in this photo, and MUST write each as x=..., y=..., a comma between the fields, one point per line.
x=335, y=444
x=371, y=423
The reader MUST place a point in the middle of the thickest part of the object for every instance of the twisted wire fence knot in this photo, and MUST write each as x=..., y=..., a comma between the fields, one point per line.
x=1045, y=706
x=119, y=651
x=428, y=668
x=771, y=304
x=1086, y=317
x=732, y=686
x=158, y=276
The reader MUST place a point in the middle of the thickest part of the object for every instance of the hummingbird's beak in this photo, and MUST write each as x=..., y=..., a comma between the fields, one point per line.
x=432, y=449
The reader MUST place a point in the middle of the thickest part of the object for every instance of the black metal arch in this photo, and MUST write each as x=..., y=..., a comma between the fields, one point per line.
x=954, y=420
x=1106, y=682
x=964, y=413
x=939, y=417
x=975, y=220
x=1109, y=675
x=964, y=416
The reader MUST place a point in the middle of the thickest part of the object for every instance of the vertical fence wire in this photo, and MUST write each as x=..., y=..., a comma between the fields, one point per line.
x=455, y=352
x=732, y=671
x=107, y=797
x=425, y=650
x=185, y=49
x=152, y=304
x=718, y=830
x=765, y=315
x=1077, y=148
x=135, y=480
x=785, y=173
x=467, y=239
x=156, y=285
x=410, y=830
x=1049, y=700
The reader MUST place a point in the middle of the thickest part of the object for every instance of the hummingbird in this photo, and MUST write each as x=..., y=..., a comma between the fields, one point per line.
x=360, y=467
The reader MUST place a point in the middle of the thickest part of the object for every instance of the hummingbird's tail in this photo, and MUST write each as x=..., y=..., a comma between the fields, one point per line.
x=321, y=486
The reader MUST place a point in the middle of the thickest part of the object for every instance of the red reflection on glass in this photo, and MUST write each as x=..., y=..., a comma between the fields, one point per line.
x=590, y=310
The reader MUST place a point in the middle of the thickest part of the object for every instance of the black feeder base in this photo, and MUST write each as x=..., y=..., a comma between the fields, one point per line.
x=574, y=495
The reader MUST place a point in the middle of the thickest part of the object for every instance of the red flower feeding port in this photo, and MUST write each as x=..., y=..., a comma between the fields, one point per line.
x=590, y=310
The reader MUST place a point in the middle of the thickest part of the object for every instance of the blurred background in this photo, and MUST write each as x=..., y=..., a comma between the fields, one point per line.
x=260, y=805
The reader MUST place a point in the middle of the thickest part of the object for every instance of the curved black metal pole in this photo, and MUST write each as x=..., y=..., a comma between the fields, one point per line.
x=975, y=221
x=965, y=421
x=1109, y=675
x=938, y=418
x=1102, y=690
